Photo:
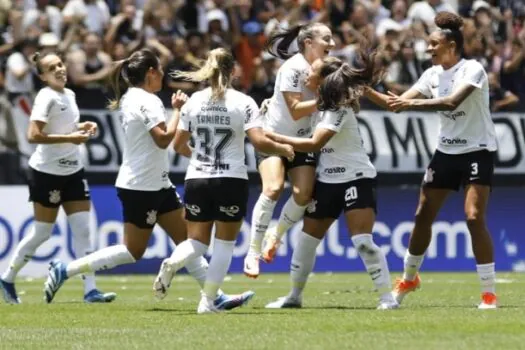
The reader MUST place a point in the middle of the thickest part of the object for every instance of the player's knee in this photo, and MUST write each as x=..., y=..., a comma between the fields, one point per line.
x=136, y=252
x=302, y=196
x=475, y=220
x=423, y=218
x=273, y=190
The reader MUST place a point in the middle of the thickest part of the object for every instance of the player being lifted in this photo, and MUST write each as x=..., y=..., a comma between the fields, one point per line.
x=216, y=184
x=143, y=186
x=56, y=175
x=289, y=113
x=458, y=90
x=346, y=180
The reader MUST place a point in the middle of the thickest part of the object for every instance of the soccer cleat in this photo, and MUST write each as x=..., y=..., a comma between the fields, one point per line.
x=388, y=305
x=206, y=306
x=55, y=279
x=163, y=281
x=403, y=287
x=251, y=265
x=488, y=301
x=9, y=292
x=270, y=247
x=287, y=302
x=96, y=296
x=228, y=302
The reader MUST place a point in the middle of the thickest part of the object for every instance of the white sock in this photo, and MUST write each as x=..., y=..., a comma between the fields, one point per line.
x=487, y=277
x=79, y=223
x=186, y=251
x=40, y=232
x=290, y=214
x=261, y=217
x=375, y=263
x=103, y=259
x=303, y=260
x=412, y=265
x=197, y=268
x=219, y=265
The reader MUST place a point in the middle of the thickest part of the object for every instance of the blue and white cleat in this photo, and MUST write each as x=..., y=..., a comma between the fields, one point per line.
x=55, y=279
x=9, y=292
x=229, y=302
x=96, y=296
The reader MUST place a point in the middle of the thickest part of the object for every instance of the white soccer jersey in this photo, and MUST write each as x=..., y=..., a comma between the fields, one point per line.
x=469, y=127
x=217, y=129
x=60, y=112
x=145, y=166
x=343, y=158
x=290, y=78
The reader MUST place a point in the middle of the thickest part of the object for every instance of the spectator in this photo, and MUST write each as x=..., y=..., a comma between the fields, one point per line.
x=426, y=10
x=19, y=72
x=94, y=14
x=249, y=48
x=500, y=99
x=49, y=12
x=266, y=68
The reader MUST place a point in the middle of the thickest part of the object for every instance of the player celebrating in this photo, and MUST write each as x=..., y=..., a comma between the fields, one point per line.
x=346, y=180
x=216, y=185
x=289, y=113
x=56, y=175
x=143, y=185
x=458, y=89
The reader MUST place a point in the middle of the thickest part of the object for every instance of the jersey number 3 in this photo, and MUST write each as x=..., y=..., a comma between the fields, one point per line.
x=207, y=137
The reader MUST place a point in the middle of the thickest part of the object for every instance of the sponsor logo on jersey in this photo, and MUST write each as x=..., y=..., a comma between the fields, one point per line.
x=230, y=211
x=455, y=141
x=151, y=217
x=214, y=108
x=248, y=114
x=335, y=170
x=327, y=150
x=340, y=116
x=295, y=78
x=454, y=115
x=304, y=132
x=67, y=163
x=144, y=112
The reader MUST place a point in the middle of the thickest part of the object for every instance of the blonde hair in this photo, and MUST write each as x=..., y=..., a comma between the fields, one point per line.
x=217, y=69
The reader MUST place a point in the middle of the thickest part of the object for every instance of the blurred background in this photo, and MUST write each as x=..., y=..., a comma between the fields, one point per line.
x=90, y=34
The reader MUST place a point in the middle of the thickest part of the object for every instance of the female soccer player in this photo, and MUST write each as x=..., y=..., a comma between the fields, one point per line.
x=346, y=180
x=458, y=89
x=143, y=185
x=56, y=175
x=216, y=185
x=289, y=113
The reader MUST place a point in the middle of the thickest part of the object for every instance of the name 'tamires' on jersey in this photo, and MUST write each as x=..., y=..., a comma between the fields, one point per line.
x=343, y=158
x=290, y=77
x=469, y=127
x=145, y=166
x=60, y=112
x=218, y=132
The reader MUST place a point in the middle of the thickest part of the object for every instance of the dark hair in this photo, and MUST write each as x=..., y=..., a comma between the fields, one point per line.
x=131, y=72
x=343, y=85
x=450, y=25
x=217, y=70
x=279, y=42
x=37, y=57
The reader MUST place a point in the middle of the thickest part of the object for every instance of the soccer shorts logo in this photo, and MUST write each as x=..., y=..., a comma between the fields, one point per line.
x=54, y=196
x=230, y=211
x=151, y=217
x=193, y=209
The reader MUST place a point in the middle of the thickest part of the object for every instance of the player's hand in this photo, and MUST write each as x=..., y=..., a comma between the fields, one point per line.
x=396, y=103
x=178, y=99
x=78, y=137
x=89, y=127
x=288, y=152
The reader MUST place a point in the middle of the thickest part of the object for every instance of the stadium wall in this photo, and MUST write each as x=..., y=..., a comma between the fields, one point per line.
x=450, y=249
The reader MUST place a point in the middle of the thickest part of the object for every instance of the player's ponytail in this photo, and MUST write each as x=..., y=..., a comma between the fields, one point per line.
x=131, y=72
x=450, y=25
x=279, y=43
x=217, y=70
x=343, y=86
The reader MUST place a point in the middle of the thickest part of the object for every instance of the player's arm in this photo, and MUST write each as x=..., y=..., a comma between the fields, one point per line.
x=181, y=144
x=320, y=138
x=264, y=144
x=163, y=134
x=448, y=103
x=36, y=134
x=298, y=108
x=382, y=99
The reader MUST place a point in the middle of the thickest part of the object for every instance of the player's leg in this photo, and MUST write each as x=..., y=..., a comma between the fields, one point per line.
x=45, y=193
x=302, y=177
x=140, y=215
x=478, y=183
x=320, y=214
x=272, y=173
x=360, y=214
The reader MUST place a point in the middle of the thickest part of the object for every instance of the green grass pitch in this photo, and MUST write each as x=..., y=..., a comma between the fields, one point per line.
x=338, y=313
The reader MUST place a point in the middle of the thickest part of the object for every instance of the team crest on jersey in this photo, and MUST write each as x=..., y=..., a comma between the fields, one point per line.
x=193, y=209
x=54, y=196
x=429, y=175
x=312, y=206
x=230, y=211
x=151, y=217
